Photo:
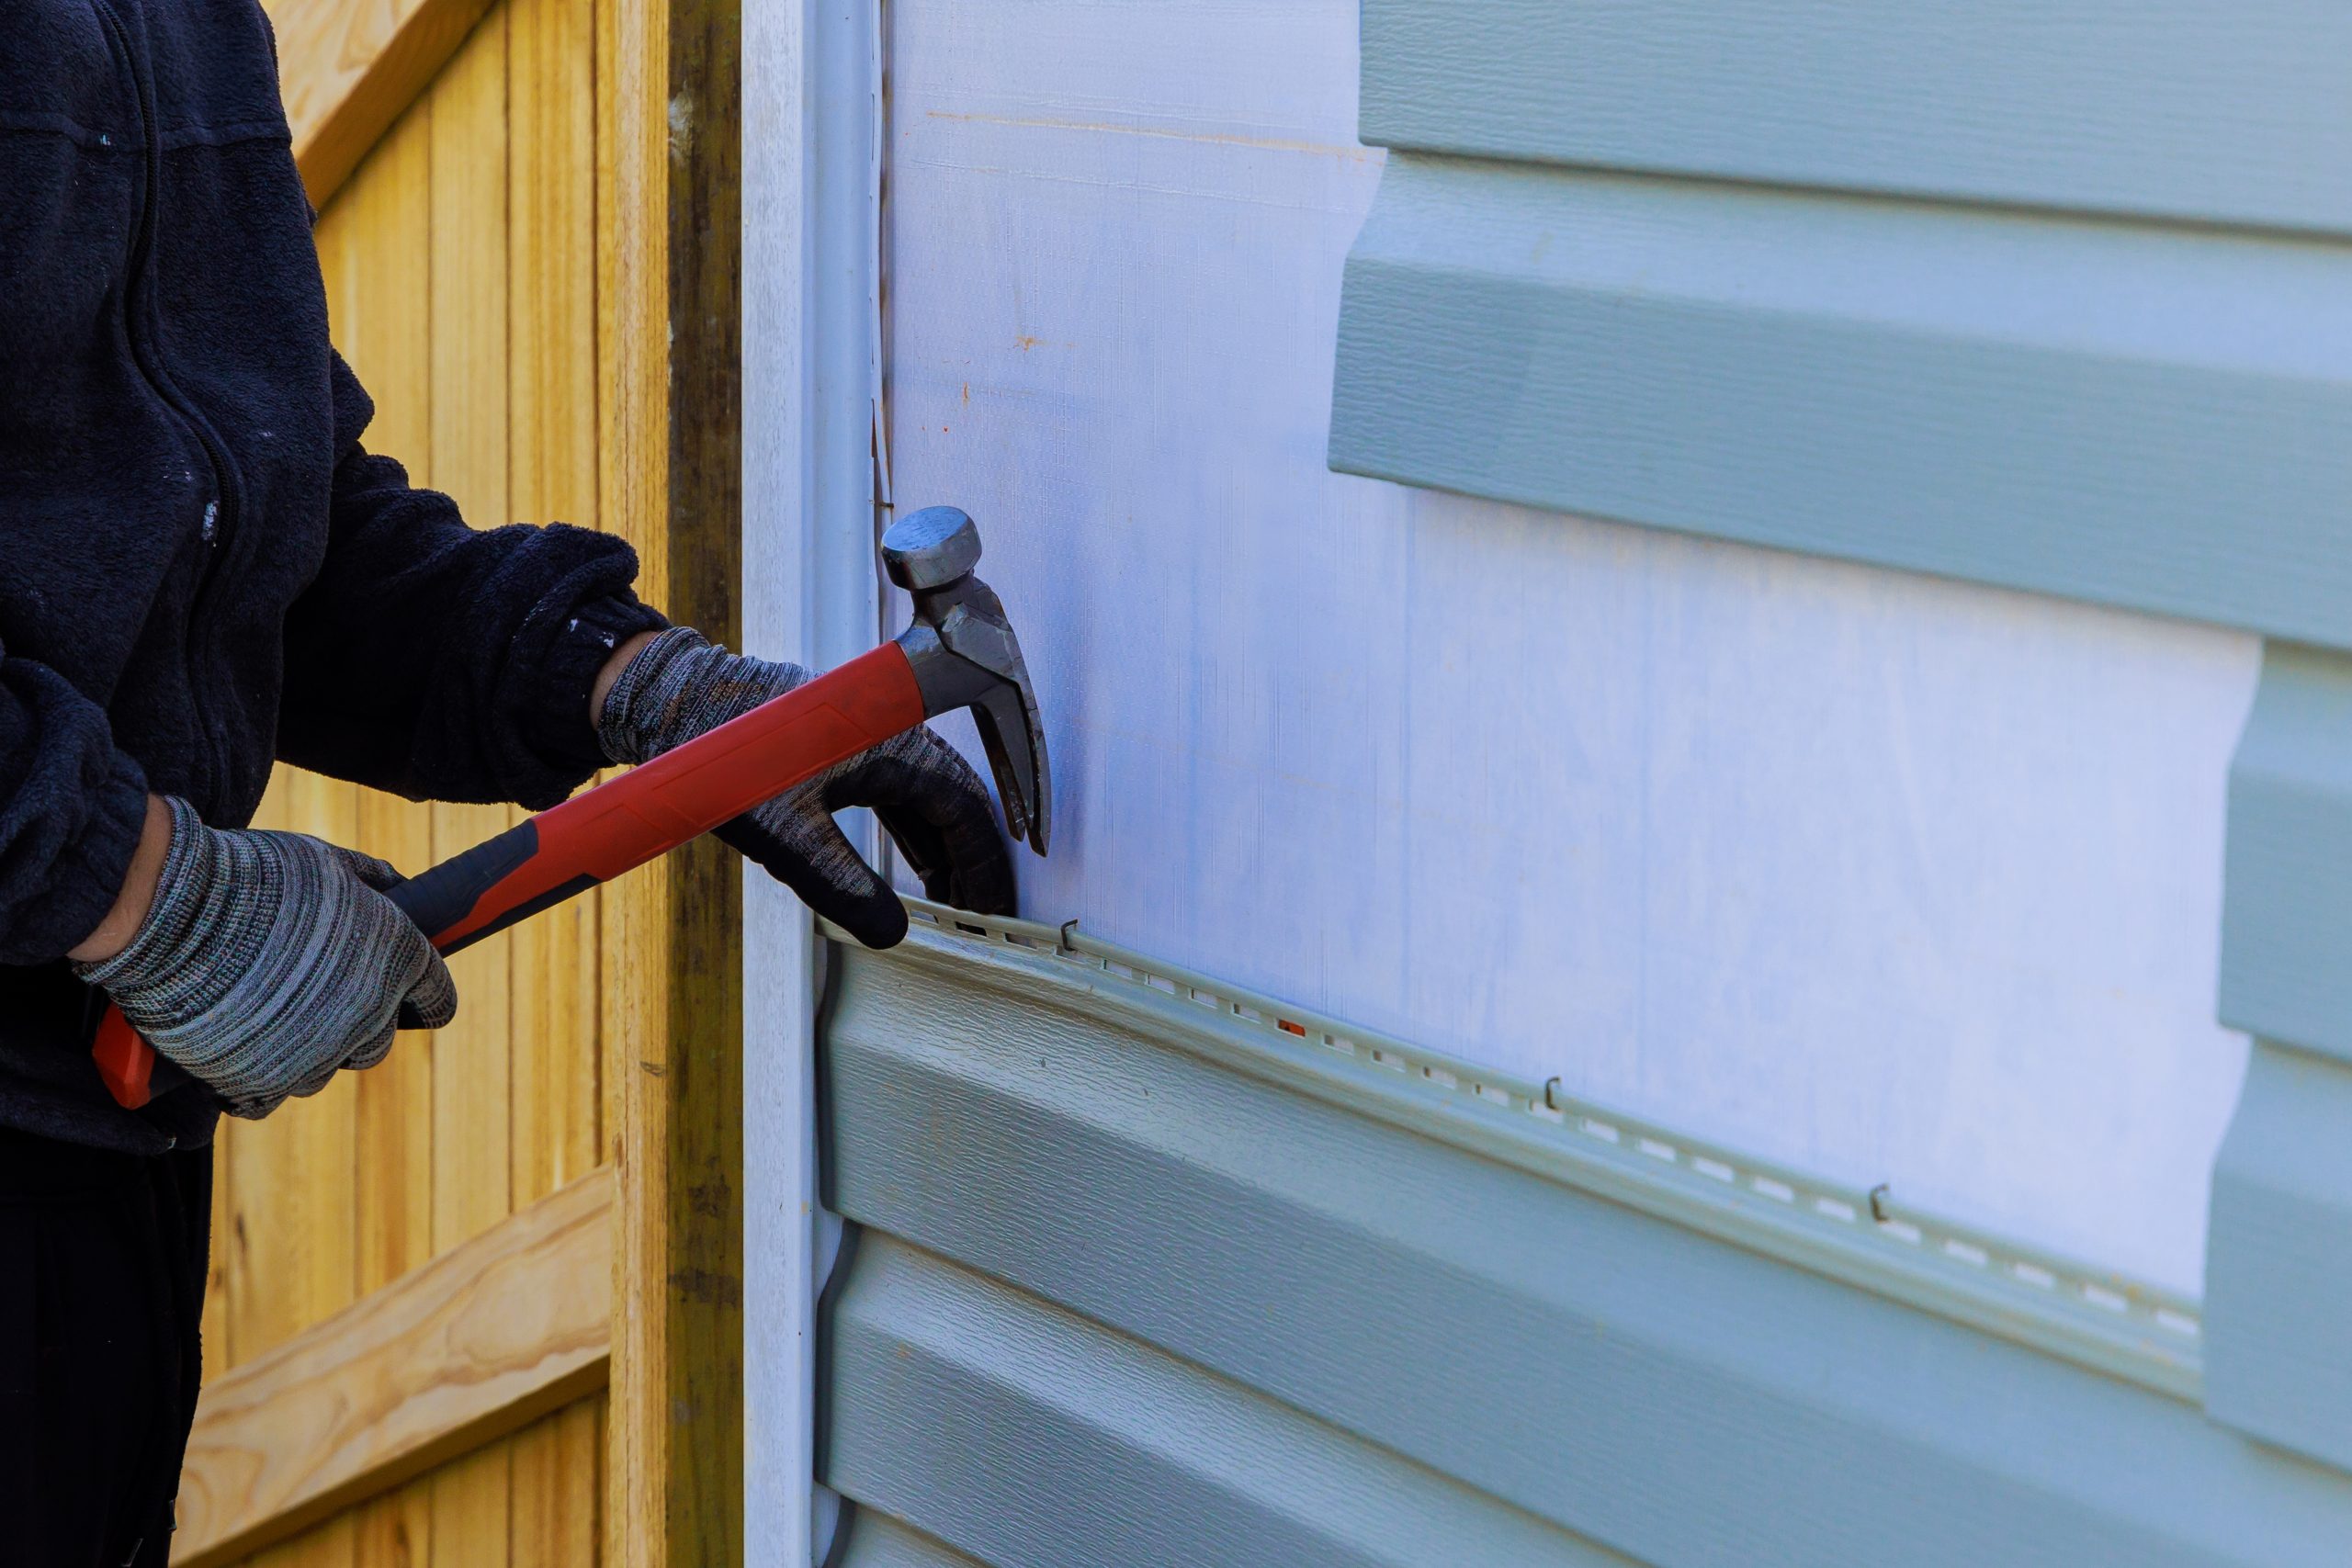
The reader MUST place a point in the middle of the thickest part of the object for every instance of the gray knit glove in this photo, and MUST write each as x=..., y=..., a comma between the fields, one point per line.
x=919, y=786
x=269, y=961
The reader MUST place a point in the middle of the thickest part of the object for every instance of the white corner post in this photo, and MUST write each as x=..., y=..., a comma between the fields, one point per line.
x=811, y=380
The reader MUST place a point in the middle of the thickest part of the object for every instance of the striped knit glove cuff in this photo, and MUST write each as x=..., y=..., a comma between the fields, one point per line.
x=678, y=686
x=920, y=787
x=268, y=961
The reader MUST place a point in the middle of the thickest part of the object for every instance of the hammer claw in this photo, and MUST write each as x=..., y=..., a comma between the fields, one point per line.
x=964, y=654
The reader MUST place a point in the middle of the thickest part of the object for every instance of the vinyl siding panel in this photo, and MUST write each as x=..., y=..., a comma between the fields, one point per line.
x=2143, y=418
x=2281, y=1251
x=2206, y=110
x=1028, y=1434
x=2280, y=1233
x=877, y=1540
x=2287, y=912
x=1126, y=1292
x=2048, y=297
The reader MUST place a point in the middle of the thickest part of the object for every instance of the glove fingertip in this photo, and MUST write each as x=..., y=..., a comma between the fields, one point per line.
x=878, y=920
x=432, y=1001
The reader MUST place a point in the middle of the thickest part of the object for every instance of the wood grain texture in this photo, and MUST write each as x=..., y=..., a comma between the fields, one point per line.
x=477, y=1343
x=473, y=288
x=396, y=1527
x=347, y=69
x=632, y=54
x=439, y=294
x=667, y=331
x=557, y=1478
x=2213, y=110
x=395, y=1530
x=1624, y=1377
x=551, y=476
x=376, y=244
x=2155, y=420
x=472, y=1069
x=2278, y=1259
x=473, y=1086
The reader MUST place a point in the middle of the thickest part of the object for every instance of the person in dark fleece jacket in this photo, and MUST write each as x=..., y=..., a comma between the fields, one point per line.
x=204, y=571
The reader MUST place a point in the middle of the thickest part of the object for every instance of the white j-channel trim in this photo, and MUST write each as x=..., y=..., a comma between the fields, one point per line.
x=811, y=92
x=2092, y=1316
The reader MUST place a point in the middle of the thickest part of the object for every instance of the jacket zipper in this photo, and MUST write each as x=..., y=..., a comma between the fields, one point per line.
x=146, y=354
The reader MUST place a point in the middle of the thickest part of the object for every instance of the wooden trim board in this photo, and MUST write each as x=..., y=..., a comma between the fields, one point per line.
x=349, y=68
x=480, y=1342
x=669, y=480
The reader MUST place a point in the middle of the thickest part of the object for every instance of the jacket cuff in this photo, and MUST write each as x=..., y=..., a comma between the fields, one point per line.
x=559, y=727
x=87, y=877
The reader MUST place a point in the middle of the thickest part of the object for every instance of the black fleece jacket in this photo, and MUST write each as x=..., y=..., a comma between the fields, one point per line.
x=201, y=569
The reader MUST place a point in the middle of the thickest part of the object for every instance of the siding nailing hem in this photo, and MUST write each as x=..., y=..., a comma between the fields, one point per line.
x=2062, y=1307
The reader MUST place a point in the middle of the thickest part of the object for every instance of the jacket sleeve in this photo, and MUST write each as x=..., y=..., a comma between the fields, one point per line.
x=442, y=662
x=71, y=811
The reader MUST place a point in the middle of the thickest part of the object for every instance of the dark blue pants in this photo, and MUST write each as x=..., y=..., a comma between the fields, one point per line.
x=102, y=1269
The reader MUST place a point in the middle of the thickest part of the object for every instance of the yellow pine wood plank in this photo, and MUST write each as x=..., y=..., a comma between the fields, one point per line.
x=396, y=1530
x=632, y=326
x=556, y=1042
x=551, y=421
x=473, y=1181
x=467, y=276
x=327, y=1545
x=393, y=1136
x=347, y=69
x=484, y=1340
x=472, y=1178
x=376, y=247
x=668, y=307
x=471, y=1518
x=554, y=1522
x=618, y=999
x=471, y=1069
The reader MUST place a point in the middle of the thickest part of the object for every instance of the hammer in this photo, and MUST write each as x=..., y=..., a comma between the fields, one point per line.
x=957, y=651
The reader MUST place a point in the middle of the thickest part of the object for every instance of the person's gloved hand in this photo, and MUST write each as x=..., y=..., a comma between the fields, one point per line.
x=921, y=788
x=269, y=961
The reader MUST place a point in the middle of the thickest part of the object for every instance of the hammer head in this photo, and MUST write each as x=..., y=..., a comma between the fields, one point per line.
x=964, y=655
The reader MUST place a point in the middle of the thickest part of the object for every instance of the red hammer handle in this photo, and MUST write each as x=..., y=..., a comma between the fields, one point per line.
x=600, y=833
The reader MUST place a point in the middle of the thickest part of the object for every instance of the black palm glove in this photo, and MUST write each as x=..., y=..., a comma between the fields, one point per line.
x=922, y=791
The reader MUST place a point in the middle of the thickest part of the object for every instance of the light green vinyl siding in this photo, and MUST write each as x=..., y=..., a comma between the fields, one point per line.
x=1133, y=1287
x=2055, y=296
